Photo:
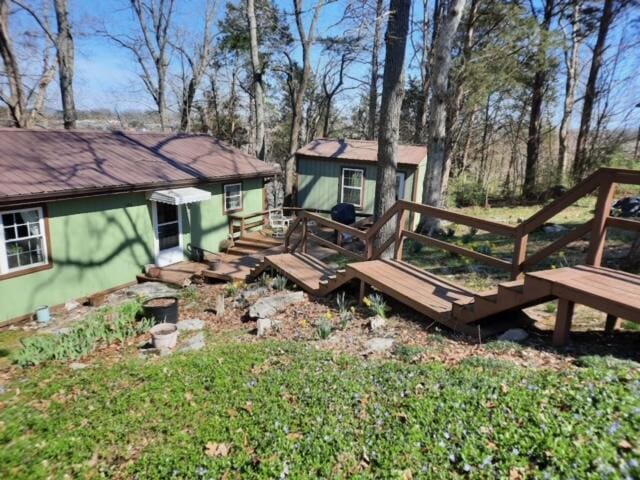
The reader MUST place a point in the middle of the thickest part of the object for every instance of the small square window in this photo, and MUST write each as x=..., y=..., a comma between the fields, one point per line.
x=233, y=197
x=23, y=242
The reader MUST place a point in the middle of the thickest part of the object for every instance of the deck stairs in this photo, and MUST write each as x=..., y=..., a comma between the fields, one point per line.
x=436, y=298
x=251, y=243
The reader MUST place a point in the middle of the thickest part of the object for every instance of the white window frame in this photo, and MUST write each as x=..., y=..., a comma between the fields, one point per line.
x=225, y=196
x=361, y=187
x=4, y=258
x=403, y=180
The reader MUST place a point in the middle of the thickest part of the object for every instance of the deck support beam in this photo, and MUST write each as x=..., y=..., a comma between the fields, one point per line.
x=563, y=322
x=610, y=324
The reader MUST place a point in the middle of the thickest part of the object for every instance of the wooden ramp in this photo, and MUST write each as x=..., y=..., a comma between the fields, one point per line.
x=238, y=268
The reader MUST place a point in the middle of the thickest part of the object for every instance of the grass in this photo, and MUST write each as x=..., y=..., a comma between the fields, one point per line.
x=272, y=410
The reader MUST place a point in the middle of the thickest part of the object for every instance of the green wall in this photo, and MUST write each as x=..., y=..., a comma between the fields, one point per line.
x=319, y=183
x=101, y=242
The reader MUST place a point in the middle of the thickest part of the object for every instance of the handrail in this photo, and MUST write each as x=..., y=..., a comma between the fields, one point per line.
x=604, y=180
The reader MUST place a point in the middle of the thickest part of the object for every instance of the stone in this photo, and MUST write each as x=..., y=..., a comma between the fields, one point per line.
x=264, y=326
x=3, y=390
x=77, y=366
x=554, y=229
x=378, y=345
x=190, y=325
x=194, y=343
x=377, y=323
x=514, y=335
x=268, y=306
x=151, y=290
x=254, y=292
x=71, y=305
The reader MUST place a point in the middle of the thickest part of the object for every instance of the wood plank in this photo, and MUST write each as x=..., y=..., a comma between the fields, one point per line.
x=326, y=243
x=623, y=224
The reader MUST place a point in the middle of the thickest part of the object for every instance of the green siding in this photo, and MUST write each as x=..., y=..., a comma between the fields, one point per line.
x=98, y=243
x=319, y=183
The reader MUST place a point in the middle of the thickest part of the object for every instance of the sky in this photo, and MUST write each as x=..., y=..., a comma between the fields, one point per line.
x=107, y=76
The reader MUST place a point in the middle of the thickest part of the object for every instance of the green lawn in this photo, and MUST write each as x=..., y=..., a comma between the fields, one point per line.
x=272, y=410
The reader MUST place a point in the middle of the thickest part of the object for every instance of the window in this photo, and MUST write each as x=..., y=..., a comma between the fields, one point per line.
x=233, y=197
x=400, y=178
x=22, y=240
x=352, y=186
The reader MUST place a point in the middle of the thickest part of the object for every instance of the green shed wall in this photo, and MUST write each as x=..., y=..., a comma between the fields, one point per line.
x=319, y=183
x=98, y=243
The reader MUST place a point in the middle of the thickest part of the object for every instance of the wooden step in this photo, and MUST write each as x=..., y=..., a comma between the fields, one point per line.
x=259, y=238
x=240, y=251
x=251, y=244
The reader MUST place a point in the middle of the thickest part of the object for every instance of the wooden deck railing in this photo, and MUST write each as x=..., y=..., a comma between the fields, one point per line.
x=603, y=180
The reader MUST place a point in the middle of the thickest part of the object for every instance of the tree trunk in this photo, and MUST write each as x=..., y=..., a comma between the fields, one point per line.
x=257, y=83
x=16, y=101
x=435, y=183
x=375, y=68
x=65, y=52
x=580, y=163
x=306, y=41
x=572, y=60
x=538, y=88
x=390, y=108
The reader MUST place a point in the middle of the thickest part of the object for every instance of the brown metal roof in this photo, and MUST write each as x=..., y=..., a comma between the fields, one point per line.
x=47, y=164
x=360, y=150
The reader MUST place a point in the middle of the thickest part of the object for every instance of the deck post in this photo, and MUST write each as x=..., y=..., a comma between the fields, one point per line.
x=363, y=291
x=563, y=322
x=599, y=230
x=610, y=324
x=519, y=253
x=304, y=236
x=399, y=240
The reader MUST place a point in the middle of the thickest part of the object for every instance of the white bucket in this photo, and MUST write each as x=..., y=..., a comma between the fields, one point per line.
x=165, y=335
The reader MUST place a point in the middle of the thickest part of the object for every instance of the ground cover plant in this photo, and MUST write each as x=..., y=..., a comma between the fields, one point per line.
x=106, y=326
x=280, y=409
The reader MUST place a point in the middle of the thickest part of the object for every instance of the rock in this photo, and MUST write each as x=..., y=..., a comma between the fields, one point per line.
x=268, y=306
x=59, y=330
x=151, y=290
x=554, y=229
x=71, y=305
x=264, y=326
x=377, y=345
x=77, y=366
x=254, y=292
x=190, y=325
x=514, y=335
x=3, y=390
x=194, y=343
x=377, y=323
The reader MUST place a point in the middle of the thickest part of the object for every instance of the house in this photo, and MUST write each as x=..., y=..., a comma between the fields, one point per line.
x=82, y=212
x=337, y=171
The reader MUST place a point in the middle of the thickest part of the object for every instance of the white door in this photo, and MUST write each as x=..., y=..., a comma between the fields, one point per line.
x=167, y=221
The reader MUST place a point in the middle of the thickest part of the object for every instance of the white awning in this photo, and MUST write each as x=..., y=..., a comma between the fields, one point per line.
x=180, y=196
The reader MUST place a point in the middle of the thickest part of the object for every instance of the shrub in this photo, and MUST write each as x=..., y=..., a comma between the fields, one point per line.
x=265, y=280
x=468, y=194
x=407, y=353
x=324, y=326
x=376, y=304
x=232, y=289
x=107, y=326
x=280, y=283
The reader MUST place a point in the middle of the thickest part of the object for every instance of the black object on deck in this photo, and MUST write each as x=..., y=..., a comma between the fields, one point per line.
x=344, y=213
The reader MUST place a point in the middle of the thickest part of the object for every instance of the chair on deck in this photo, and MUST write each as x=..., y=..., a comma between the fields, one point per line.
x=278, y=222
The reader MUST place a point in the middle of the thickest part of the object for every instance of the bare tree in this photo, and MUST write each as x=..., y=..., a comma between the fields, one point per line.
x=154, y=19
x=438, y=167
x=390, y=108
x=307, y=39
x=581, y=160
x=375, y=71
x=25, y=102
x=572, y=62
x=198, y=59
x=65, y=52
x=330, y=90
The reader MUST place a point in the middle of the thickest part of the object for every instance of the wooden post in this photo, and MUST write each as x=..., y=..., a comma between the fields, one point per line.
x=519, y=253
x=363, y=291
x=610, y=324
x=304, y=236
x=241, y=227
x=399, y=240
x=599, y=230
x=220, y=304
x=563, y=322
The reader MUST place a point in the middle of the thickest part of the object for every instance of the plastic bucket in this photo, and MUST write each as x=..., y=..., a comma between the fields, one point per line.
x=43, y=315
x=161, y=309
x=165, y=335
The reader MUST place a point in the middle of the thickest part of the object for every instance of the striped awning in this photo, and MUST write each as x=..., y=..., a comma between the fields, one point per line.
x=180, y=196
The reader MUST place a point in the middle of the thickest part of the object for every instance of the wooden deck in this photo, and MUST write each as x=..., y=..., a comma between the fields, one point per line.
x=614, y=292
x=309, y=273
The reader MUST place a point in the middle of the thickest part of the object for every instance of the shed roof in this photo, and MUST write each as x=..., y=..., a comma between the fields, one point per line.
x=55, y=164
x=360, y=150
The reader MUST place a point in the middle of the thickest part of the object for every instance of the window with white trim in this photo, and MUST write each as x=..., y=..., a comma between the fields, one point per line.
x=22, y=239
x=352, y=186
x=400, y=181
x=233, y=197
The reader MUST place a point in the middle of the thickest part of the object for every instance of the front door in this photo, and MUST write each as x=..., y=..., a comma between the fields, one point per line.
x=168, y=232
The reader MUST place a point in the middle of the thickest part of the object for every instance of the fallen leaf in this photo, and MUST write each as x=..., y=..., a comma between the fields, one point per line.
x=625, y=445
x=232, y=412
x=248, y=407
x=217, y=449
x=188, y=396
x=516, y=474
x=407, y=475
x=294, y=436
